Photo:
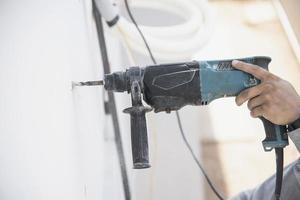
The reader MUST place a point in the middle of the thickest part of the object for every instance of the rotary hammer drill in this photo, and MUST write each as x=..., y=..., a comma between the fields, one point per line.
x=169, y=87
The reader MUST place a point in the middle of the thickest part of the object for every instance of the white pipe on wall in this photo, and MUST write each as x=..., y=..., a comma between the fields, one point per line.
x=171, y=42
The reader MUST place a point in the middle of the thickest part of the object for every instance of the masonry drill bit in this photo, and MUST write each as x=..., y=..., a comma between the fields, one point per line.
x=88, y=83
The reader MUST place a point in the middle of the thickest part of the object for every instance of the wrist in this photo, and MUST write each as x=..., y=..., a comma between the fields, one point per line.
x=296, y=114
x=294, y=125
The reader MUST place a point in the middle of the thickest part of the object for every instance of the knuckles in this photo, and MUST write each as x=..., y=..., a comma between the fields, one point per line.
x=268, y=85
x=268, y=97
x=272, y=92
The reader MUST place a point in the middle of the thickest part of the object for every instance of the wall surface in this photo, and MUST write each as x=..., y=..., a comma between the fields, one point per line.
x=51, y=141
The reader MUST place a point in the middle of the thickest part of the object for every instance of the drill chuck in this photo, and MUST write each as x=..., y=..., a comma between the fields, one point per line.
x=121, y=81
x=116, y=82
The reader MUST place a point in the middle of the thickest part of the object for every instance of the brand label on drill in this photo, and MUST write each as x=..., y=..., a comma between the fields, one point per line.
x=223, y=66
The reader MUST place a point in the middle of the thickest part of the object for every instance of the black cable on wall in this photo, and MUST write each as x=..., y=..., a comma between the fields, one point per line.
x=112, y=103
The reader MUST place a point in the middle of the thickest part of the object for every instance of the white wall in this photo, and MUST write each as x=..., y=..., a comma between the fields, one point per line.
x=51, y=138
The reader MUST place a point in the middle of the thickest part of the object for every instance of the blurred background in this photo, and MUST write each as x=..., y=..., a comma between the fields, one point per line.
x=57, y=142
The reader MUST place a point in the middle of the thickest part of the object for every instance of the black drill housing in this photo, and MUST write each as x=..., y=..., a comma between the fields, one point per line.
x=165, y=87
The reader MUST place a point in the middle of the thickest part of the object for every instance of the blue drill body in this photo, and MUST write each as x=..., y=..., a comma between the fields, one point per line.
x=169, y=87
x=219, y=79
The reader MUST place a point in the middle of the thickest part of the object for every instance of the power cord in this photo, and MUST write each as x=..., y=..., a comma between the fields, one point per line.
x=140, y=32
x=213, y=188
x=177, y=113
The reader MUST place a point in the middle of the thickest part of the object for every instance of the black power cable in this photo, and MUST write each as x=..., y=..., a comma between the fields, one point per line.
x=177, y=113
x=140, y=32
x=195, y=158
x=111, y=102
x=279, y=172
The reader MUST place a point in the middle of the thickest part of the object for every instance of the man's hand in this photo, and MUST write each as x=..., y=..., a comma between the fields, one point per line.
x=274, y=99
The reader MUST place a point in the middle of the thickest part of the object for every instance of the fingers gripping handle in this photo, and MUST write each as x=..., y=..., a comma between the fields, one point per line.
x=276, y=135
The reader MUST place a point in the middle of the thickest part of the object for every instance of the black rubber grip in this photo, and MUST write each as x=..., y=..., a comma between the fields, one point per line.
x=276, y=135
x=139, y=140
x=139, y=137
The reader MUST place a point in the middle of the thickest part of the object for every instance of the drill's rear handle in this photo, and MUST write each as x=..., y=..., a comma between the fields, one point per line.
x=276, y=135
x=276, y=138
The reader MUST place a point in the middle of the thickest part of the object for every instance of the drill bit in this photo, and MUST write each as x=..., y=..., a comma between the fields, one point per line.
x=88, y=83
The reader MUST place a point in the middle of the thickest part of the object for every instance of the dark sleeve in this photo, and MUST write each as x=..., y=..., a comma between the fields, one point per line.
x=291, y=176
x=295, y=125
